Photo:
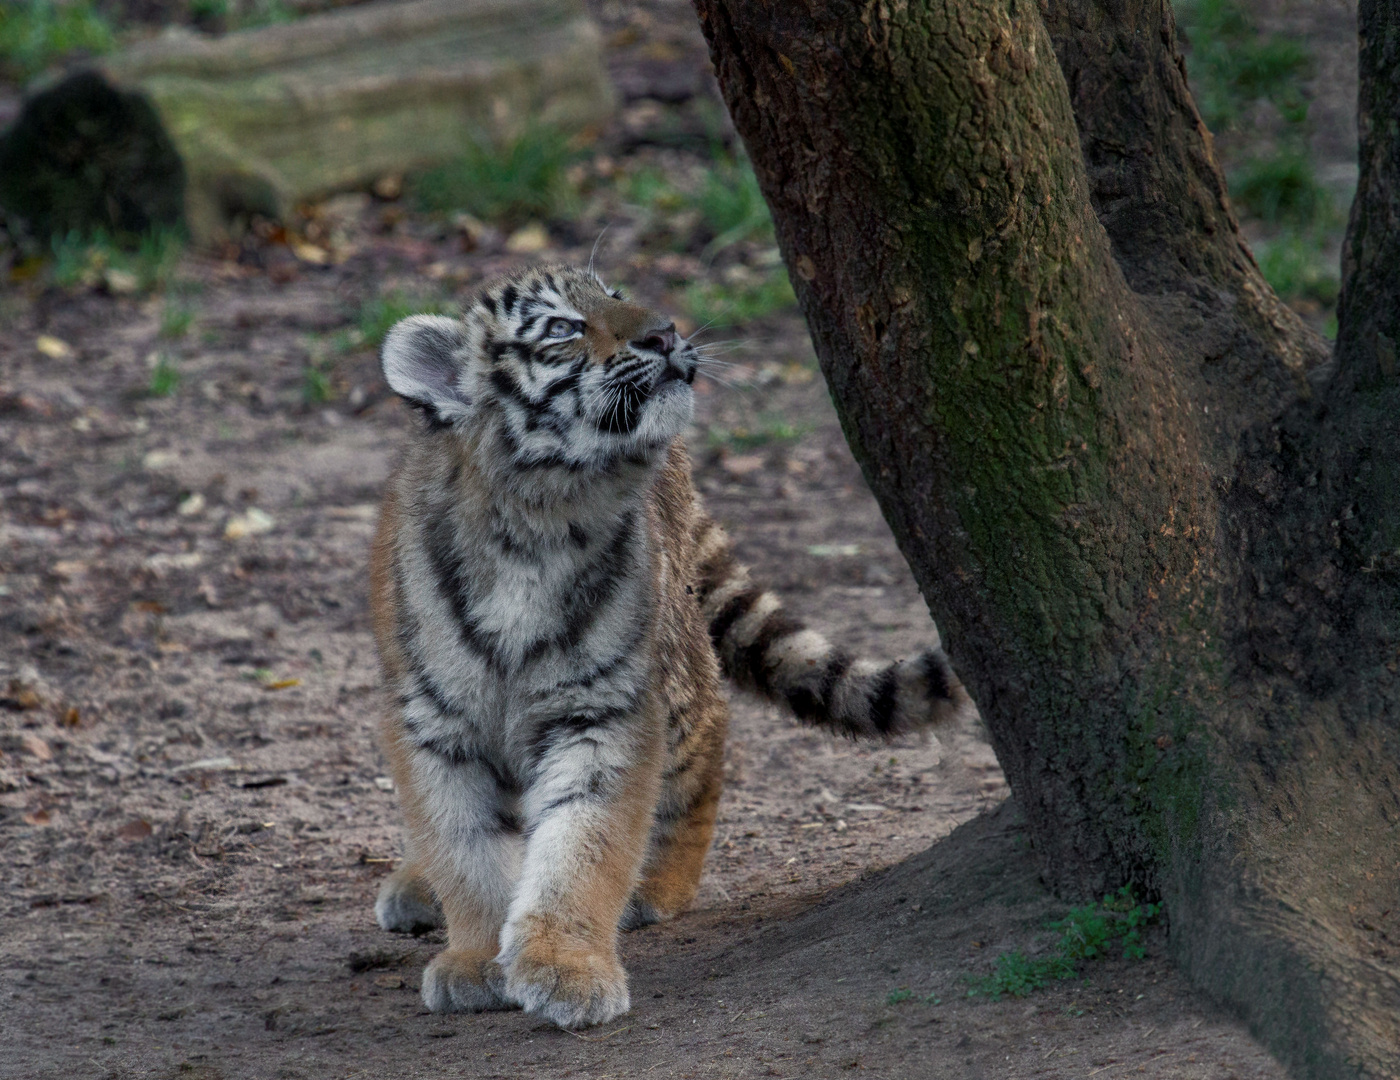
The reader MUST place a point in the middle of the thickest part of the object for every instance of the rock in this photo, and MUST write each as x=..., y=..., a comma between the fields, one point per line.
x=187, y=127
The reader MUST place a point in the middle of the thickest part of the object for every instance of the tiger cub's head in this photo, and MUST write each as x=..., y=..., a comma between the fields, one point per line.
x=560, y=370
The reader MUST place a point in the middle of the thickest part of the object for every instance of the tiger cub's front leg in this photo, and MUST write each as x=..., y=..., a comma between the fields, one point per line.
x=465, y=851
x=589, y=812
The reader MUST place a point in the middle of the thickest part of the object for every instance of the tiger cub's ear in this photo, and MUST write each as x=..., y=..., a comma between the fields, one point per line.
x=421, y=365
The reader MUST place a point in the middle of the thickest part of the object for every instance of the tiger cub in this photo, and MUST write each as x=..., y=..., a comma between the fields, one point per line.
x=553, y=608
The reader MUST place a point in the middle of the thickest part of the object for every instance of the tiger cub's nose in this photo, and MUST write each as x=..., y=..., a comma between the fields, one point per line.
x=659, y=341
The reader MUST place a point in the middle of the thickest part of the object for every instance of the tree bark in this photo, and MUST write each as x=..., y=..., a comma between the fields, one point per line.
x=1158, y=522
x=265, y=119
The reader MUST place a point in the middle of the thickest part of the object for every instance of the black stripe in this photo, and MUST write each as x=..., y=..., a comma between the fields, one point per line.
x=488, y=302
x=508, y=297
x=809, y=702
x=734, y=609
x=577, y=535
x=883, y=702
x=440, y=540
x=936, y=672
x=588, y=597
x=457, y=757
x=752, y=659
x=550, y=731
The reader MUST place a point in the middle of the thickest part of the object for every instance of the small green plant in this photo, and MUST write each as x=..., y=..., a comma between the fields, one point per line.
x=1232, y=65
x=175, y=320
x=732, y=206
x=769, y=428
x=1293, y=263
x=507, y=182
x=738, y=301
x=1281, y=188
x=315, y=386
x=1017, y=975
x=378, y=315
x=165, y=378
x=36, y=33
x=895, y=997
x=1087, y=933
x=137, y=264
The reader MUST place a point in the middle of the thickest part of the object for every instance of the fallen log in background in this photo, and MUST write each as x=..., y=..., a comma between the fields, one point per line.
x=205, y=129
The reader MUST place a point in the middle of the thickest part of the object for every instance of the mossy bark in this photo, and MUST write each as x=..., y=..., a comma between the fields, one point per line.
x=1097, y=434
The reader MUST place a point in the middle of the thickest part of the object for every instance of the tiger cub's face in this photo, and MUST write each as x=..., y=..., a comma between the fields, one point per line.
x=573, y=375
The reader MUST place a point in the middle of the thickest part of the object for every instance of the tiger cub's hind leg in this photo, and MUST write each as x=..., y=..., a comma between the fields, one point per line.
x=681, y=836
x=406, y=903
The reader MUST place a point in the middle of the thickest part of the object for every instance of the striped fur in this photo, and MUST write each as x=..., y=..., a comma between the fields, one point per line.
x=552, y=608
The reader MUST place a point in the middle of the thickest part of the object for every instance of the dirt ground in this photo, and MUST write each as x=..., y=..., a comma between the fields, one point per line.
x=193, y=813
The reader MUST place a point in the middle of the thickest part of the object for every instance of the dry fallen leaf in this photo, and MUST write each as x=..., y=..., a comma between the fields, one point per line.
x=54, y=348
x=389, y=982
x=37, y=817
x=35, y=746
x=531, y=239
x=281, y=684
x=135, y=829
x=252, y=522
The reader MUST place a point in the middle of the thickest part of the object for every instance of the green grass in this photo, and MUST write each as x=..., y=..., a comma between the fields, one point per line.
x=726, y=206
x=767, y=429
x=133, y=265
x=732, y=206
x=36, y=33
x=508, y=182
x=1292, y=263
x=1087, y=933
x=1232, y=65
x=728, y=303
x=165, y=378
x=315, y=386
x=175, y=321
x=1281, y=189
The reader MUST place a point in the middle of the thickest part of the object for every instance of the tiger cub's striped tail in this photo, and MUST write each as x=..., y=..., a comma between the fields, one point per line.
x=765, y=650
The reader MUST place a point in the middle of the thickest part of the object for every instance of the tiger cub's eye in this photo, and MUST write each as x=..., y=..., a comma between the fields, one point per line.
x=562, y=328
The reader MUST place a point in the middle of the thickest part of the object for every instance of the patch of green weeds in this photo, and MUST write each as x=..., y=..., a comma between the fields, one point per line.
x=36, y=33
x=1293, y=263
x=175, y=321
x=1281, y=189
x=738, y=300
x=315, y=386
x=895, y=997
x=378, y=315
x=1232, y=65
x=768, y=429
x=165, y=378
x=140, y=264
x=732, y=206
x=508, y=182
x=225, y=15
x=1087, y=933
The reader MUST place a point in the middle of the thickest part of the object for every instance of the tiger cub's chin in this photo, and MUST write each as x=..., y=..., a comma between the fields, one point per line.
x=553, y=608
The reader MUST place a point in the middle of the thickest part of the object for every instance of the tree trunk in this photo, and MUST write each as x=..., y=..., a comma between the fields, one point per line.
x=265, y=119
x=1159, y=524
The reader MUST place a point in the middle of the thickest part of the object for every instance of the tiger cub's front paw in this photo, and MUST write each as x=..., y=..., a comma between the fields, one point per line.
x=567, y=981
x=459, y=981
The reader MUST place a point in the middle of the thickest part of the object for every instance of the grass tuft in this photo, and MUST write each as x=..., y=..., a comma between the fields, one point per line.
x=730, y=302
x=1232, y=65
x=1281, y=190
x=1293, y=265
x=36, y=33
x=133, y=265
x=1087, y=933
x=165, y=378
x=508, y=182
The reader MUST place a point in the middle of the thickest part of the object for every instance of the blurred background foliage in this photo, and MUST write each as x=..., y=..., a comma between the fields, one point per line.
x=1254, y=90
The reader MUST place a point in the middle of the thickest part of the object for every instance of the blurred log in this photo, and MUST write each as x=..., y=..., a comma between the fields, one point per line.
x=206, y=129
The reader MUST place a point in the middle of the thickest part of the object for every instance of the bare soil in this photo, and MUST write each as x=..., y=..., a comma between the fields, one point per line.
x=194, y=815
